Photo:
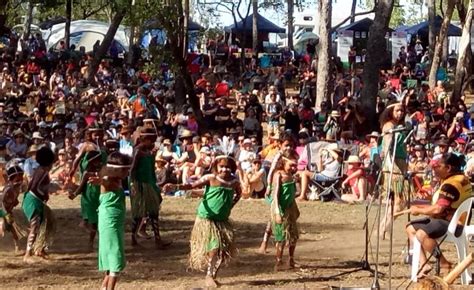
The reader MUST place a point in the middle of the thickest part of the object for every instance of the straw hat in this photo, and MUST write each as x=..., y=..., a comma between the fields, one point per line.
x=335, y=114
x=33, y=149
x=333, y=147
x=353, y=159
x=186, y=134
x=160, y=160
x=37, y=135
x=18, y=132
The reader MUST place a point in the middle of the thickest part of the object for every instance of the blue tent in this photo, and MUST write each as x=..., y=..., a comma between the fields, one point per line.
x=422, y=28
x=264, y=25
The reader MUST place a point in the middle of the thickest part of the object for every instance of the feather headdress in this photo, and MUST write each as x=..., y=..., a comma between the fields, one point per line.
x=399, y=95
x=225, y=148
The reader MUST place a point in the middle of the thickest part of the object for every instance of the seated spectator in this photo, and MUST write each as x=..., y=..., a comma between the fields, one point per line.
x=356, y=180
x=331, y=162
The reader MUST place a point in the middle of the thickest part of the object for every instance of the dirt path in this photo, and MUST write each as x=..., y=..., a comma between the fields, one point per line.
x=329, y=252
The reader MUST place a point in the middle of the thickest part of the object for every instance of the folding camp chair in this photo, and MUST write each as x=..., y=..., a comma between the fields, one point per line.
x=329, y=189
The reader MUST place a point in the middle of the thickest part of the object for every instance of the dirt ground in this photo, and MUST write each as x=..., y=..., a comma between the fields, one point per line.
x=329, y=252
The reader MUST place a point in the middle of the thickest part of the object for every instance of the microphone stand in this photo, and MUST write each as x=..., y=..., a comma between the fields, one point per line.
x=389, y=200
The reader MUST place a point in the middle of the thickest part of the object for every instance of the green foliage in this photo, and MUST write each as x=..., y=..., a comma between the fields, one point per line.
x=398, y=17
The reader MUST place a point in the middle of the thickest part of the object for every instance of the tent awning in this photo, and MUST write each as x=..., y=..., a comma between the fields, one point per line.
x=423, y=28
x=264, y=25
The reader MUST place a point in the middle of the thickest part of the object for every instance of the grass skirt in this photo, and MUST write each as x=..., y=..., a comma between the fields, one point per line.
x=209, y=235
x=288, y=229
x=46, y=231
x=145, y=199
x=398, y=181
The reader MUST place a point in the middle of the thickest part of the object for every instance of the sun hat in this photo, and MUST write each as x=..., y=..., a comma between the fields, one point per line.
x=247, y=141
x=374, y=134
x=335, y=114
x=18, y=132
x=37, y=135
x=33, y=148
x=353, y=159
x=186, y=134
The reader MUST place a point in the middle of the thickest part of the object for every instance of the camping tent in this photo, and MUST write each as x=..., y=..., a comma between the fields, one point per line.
x=422, y=29
x=264, y=26
x=86, y=33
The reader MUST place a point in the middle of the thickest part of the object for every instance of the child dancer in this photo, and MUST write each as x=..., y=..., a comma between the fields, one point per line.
x=8, y=201
x=145, y=194
x=212, y=238
x=112, y=218
x=284, y=210
x=36, y=210
x=90, y=194
x=286, y=146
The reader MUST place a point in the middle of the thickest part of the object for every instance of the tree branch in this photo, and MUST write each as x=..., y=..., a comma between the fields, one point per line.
x=334, y=28
x=93, y=12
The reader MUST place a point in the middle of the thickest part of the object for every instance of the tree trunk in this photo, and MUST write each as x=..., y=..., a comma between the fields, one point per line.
x=29, y=21
x=3, y=15
x=431, y=26
x=104, y=46
x=255, y=27
x=291, y=19
x=67, y=25
x=376, y=47
x=323, y=81
x=443, y=33
x=464, y=46
x=353, y=10
x=131, y=43
x=185, y=29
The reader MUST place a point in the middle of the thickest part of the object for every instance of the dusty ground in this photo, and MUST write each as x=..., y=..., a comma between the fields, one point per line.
x=329, y=252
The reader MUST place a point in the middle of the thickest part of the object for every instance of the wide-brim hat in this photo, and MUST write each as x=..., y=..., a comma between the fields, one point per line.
x=334, y=147
x=442, y=142
x=37, y=135
x=335, y=114
x=186, y=134
x=18, y=132
x=374, y=134
x=353, y=159
x=33, y=149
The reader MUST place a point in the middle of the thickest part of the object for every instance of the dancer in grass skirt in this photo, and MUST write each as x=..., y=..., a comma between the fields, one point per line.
x=145, y=194
x=8, y=201
x=112, y=210
x=90, y=167
x=284, y=210
x=212, y=237
x=287, y=144
x=37, y=212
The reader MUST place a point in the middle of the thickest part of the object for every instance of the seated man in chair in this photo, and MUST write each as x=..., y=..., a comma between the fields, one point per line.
x=330, y=167
x=455, y=188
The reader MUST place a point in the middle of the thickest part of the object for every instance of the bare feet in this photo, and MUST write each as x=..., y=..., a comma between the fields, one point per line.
x=263, y=248
x=291, y=264
x=301, y=198
x=30, y=259
x=279, y=266
x=19, y=253
x=210, y=282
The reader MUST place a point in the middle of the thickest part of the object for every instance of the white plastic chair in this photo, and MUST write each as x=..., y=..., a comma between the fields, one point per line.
x=461, y=242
